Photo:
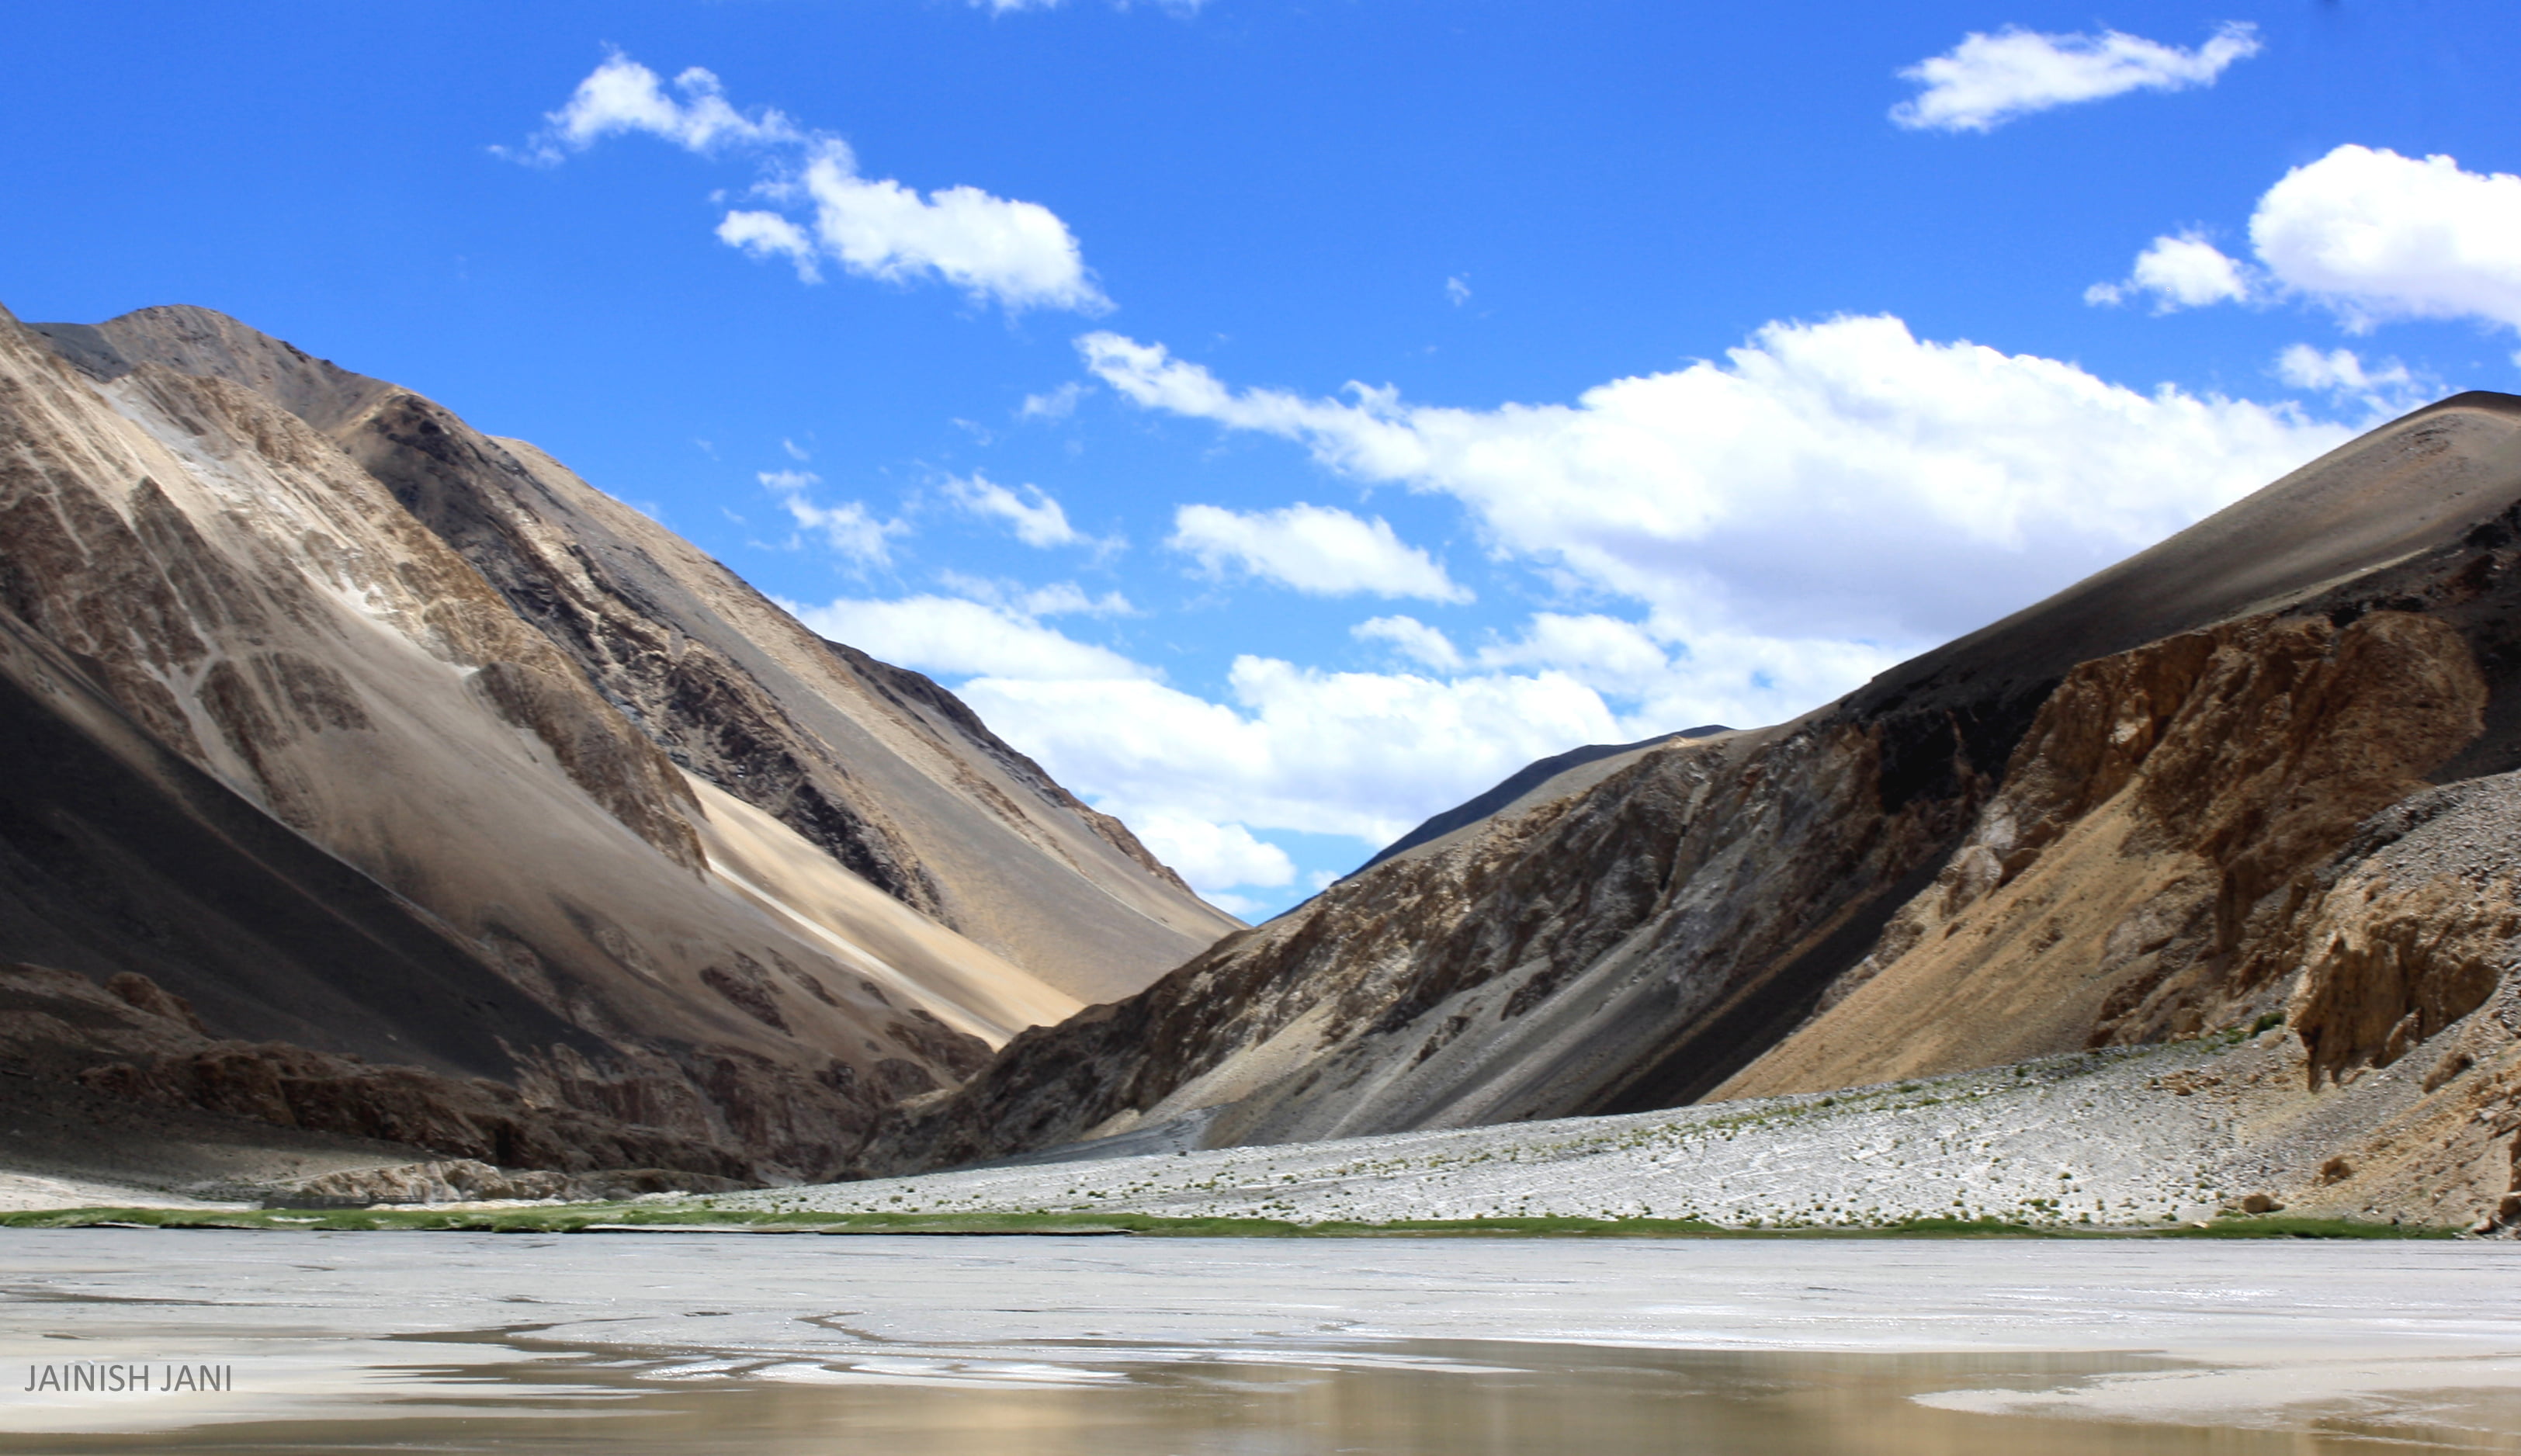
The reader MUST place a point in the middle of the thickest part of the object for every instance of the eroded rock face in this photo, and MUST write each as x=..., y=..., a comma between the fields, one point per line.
x=2410, y=929
x=2138, y=874
x=135, y=1042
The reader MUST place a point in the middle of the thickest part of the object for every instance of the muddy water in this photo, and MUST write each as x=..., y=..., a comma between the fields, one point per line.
x=640, y=1343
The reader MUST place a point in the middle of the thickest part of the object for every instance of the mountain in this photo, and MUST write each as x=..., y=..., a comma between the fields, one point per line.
x=2208, y=783
x=343, y=737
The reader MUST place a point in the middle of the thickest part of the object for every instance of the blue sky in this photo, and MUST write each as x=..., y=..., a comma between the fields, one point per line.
x=1284, y=419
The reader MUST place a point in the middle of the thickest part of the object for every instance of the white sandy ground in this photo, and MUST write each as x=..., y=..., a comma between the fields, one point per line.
x=341, y=1325
x=21, y=1192
x=2074, y=1140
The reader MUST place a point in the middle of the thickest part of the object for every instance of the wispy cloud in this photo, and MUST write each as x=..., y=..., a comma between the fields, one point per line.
x=1320, y=550
x=850, y=528
x=1031, y=514
x=1055, y=404
x=1988, y=81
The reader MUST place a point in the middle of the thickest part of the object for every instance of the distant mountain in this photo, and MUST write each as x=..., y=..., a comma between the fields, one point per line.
x=2162, y=802
x=367, y=736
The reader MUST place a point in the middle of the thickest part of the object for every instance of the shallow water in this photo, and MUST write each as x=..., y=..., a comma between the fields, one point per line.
x=640, y=1344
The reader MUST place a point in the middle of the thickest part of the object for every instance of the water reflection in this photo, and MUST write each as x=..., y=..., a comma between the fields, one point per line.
x=1439, y=1399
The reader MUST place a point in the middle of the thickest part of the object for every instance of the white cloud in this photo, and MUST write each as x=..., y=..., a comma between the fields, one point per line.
x=1988, y=81
x=1057, y=404
x=2370, y=234
x=1361, y=754
x=1068, y=599
x=1412, y=639
x=2385, y=389
x=2180, y=272
x=1035, y=517
x=852, y=529
x=2376, y=236
x=621, y=96
x=1318, y=550
x=2306, y=368
x=1017, y=254
x=1213, y=857
x=764, y=234
x=795, y=450
x=1602, y=652
x=953, y=636
x=1457, y=292
x=1828, y=495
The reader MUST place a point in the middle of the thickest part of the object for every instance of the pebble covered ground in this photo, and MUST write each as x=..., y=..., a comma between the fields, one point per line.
x=2110, y=1137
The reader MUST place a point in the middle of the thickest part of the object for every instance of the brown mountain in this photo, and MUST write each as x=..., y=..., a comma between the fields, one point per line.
x=2202, y=786
x=383, y=744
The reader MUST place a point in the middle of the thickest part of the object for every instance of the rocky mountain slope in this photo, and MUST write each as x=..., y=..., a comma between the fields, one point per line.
x=364, y=736
x=2164, y=800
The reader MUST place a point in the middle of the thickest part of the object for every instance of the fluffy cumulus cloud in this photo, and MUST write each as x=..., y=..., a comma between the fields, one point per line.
x=621, y=96
x=851, y=530
x=2369, y=234
x=1827, y=493
x=1016, y=253
x=1356, y=753
x=2377, y=236
x=1988, y=81
x=2177, y=272
x=1318, y=550
x=1360, y=754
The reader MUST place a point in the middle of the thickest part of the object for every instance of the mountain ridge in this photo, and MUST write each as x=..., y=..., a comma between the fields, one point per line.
x=738, y=890
x=1646, y=935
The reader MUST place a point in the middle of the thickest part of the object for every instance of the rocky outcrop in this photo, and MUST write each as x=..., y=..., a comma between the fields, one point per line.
x=2132, y=812
x=134, y=1041
x=469, y=1180
x=2139, y=874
